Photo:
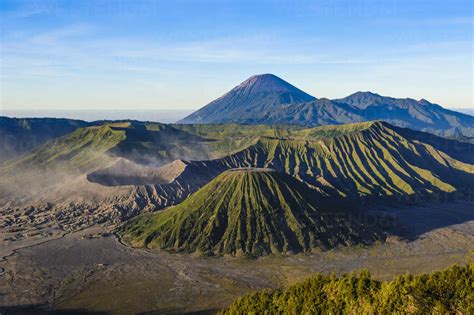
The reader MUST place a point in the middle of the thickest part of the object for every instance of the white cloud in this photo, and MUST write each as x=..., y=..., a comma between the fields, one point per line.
x=79, y=52
x=74, y=48
x=66, y=33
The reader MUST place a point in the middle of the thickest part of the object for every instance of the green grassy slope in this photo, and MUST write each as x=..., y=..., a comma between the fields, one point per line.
x=19, y=135
x=93, y=148
x=371, y=160
x=226, y=131
x=360, y=160
x=331, y=131
x=246, y=211
x=141, y=142
x=231, y=138
x=88, y=148
x=156, y=144
x=441, y=292
x=79, y=150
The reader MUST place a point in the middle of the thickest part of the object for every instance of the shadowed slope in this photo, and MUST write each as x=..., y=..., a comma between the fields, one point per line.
x=267, y=99
x=369, y=160
x=246, y=211
x=419, y=115
x=89, y=148
x=19, y=135
x=407, y=112
x=249, y=101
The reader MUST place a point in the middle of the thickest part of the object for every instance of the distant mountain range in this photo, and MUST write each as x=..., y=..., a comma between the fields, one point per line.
x=267, y=99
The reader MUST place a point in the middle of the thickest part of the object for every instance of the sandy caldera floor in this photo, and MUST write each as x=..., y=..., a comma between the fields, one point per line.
x=92, y=272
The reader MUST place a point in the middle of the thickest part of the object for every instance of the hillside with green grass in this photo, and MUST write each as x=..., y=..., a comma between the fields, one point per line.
x=79, y=150
x=20, y=135
x=143, y=143
x=448, y=291
x=250, y=212
x=92, y=147
x=368, y=160
x=227, y=139
x=141, y=146
x=229, y=131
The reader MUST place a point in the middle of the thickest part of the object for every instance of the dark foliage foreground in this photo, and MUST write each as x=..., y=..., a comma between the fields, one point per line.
x=450, y=291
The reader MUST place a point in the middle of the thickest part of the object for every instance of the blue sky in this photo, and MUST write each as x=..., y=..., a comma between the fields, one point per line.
x=142, y=55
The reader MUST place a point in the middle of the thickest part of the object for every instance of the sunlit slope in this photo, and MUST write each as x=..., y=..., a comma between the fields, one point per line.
x=246, y=211
x=368, y=159
x=371, y=161
x=227, y=131
x=79, y=150
x=231, y=138
x=19, y=135
x=89, y=149
x=142, y=143
x=151, y=144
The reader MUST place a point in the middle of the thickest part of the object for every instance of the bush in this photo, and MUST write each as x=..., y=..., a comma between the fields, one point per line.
x=450, y=291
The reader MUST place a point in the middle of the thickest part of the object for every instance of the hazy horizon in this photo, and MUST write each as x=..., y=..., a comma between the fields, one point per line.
x=150, y=55
x=163, y=116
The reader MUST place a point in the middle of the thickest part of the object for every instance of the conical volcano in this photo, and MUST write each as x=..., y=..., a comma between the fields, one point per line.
x=253, y=98
x=246, y=211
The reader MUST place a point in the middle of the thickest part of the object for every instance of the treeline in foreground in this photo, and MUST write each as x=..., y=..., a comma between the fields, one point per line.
x=448, y=291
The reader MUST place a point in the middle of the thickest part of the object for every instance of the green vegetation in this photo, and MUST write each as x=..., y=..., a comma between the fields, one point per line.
x=230, y=138
x=19, y=135
x=449, y=291
x=250, y=212
x=92, y=147
x=81, y=150
x=369, y=160
x=226, y=131
x=155, y=144
x=331, y=131
x=373, y=161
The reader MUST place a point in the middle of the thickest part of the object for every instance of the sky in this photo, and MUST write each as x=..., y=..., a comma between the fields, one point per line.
x=157, y=55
